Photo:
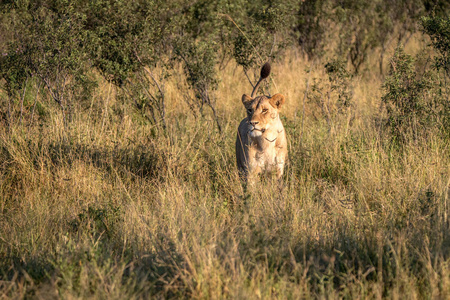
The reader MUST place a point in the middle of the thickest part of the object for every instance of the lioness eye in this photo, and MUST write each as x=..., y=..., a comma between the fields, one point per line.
x=264, y=110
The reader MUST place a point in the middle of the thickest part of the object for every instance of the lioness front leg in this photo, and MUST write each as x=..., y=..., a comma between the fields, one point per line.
x=280, y=168
x=253, y=175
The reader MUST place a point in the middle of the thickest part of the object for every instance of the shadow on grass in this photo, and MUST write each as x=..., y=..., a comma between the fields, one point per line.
x=91, y=270
x=142, y=161
x=343, y=260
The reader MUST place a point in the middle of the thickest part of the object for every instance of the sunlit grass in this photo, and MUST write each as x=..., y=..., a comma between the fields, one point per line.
x=110, y=206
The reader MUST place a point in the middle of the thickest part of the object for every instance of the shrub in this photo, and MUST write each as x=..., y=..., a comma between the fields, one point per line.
x=409, y=100
x=438, y=29
x=199, y=61
x=333, y=96
x=49, y=45
x=311, y=27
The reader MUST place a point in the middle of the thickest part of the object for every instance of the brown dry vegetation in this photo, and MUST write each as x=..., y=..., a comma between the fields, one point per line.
x=109, y=207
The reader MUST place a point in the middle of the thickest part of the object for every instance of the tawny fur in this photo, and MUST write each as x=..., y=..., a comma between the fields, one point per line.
x=261, y=145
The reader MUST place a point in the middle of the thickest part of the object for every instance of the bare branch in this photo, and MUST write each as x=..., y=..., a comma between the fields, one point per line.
x=21, y=102
x=54, y=96
x=35, y=101
x=245, y=72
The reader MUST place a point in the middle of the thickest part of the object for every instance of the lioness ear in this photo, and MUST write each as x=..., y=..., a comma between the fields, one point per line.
x=246, y=100
x=277, y=100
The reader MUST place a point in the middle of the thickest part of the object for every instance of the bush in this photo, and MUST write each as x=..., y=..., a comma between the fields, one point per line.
x=199, y=61
x=438, y=29
x=311, y=27
x=49, y=45
x=409, y=98
x=333, y=96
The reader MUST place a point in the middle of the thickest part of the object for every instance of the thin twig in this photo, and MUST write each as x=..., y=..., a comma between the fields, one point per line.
x=249, y=41
x=305, y=95
x=245, y=72
x=105, y=111
x=9, y=112
x=21, y=102
x=243, y=33
x=34, y=105
x=51, y=90
x=55, y=97
x=162, y=110
x=162, y=107
x=147, y=91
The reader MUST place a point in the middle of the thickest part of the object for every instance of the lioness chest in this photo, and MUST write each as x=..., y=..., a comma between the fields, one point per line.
x=267, y=159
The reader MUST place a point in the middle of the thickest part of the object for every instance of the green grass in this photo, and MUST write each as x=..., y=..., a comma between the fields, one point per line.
x=111, y=207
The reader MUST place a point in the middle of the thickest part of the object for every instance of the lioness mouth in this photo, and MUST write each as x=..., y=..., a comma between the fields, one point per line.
x=262, y=130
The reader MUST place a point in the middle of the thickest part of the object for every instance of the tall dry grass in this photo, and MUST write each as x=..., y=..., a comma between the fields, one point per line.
x=110, y=207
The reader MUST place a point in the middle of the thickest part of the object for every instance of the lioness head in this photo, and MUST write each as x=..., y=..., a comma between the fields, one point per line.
x=262, y=112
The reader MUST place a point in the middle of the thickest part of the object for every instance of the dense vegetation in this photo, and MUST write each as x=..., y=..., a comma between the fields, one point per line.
x=117, y=169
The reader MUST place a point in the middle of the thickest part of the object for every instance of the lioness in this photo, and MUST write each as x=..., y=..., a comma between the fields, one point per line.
x=261, y=144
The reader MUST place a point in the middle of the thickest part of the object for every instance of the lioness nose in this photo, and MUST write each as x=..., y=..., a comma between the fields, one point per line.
x=254, y=122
